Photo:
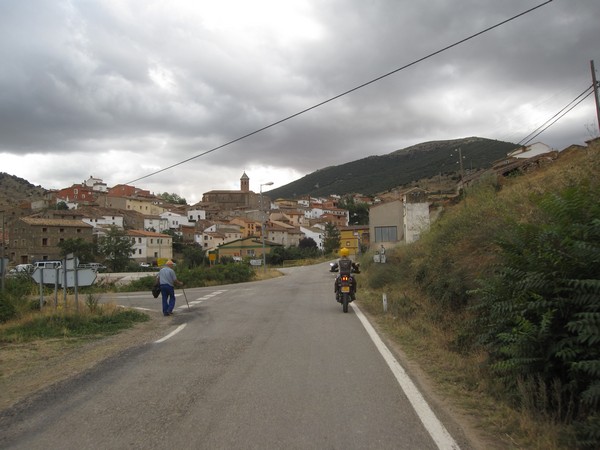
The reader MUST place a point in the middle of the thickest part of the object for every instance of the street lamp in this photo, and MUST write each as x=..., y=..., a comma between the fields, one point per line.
x=270, y=183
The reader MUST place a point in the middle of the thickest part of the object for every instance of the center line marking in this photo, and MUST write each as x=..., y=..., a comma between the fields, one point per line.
x=171, y=334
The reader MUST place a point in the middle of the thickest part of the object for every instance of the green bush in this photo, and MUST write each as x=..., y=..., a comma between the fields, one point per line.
x=539, y=315
x=7, y=308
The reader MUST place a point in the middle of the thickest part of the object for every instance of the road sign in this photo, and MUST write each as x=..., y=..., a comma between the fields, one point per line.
x=256, y=262
x=47, y=275
x=85, y=277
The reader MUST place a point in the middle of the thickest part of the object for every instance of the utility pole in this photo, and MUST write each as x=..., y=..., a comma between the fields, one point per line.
x=595, y=86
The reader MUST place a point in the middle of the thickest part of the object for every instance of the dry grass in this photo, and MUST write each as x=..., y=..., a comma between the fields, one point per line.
x=429, y=331
x=460, y=379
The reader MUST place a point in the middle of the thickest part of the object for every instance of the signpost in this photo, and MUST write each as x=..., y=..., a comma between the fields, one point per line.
x=67, y=276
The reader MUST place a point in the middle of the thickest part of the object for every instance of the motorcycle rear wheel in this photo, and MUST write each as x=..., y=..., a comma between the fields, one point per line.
x=345, y=301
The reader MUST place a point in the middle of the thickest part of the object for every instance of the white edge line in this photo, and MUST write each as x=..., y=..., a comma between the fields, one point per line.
x=171, y=334
x=432, y=424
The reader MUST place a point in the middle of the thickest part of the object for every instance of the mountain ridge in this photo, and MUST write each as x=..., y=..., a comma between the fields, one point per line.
x=376, y=174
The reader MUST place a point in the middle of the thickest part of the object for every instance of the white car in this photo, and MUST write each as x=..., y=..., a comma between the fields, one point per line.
x=22, y=268
x=144, y=264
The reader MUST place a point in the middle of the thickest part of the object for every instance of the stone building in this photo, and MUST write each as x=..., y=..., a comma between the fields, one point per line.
x=36, y=238
x=244, y=198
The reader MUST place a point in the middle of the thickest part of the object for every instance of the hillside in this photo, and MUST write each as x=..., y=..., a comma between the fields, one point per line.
x=376, y=174
x=14, y=190
x=487, y=301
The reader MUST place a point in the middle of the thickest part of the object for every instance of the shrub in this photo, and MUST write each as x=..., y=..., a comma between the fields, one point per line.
x=539, y=315
x=7, y=308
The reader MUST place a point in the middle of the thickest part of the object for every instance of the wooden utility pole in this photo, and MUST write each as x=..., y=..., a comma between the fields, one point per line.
x=595, y=86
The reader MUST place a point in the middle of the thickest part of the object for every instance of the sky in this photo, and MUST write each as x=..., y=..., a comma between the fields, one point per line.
x=160, y=94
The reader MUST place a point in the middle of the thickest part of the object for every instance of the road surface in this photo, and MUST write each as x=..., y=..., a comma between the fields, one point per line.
x=262, y=365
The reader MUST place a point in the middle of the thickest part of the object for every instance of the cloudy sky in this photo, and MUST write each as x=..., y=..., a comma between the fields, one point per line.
x=121, y=89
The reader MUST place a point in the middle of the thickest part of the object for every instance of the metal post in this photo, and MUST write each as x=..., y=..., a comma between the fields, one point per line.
x=263, y=225
x=595, y=86
x=3, y=268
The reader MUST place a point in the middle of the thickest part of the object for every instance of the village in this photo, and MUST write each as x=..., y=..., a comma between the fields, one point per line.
x=238, y=224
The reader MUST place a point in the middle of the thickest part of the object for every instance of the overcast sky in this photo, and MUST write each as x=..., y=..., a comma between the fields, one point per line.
x=119, y=89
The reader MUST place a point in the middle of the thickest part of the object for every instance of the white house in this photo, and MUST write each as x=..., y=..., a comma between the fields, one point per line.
x=530, y=151
x=315, y=233
x=175, y=220
x=218, y=234
x=416, y=214
x=104, y=220
x=195, y=215
x=149, y=246
x=156, y=223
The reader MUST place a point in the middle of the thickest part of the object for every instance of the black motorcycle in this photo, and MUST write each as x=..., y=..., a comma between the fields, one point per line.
x=345, y=285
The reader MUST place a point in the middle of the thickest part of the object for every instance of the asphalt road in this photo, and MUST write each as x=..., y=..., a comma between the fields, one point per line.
x=263, y=365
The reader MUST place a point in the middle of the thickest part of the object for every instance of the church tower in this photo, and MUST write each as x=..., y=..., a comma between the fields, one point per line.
x=245, y=183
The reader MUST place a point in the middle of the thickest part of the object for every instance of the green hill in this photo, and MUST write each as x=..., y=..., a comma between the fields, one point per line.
x=376, y=174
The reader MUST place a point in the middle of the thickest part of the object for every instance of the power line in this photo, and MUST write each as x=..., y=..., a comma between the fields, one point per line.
x=344, y=93
x=560, y=115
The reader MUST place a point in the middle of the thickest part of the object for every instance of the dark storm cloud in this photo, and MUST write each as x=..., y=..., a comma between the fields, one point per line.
x=131, y=80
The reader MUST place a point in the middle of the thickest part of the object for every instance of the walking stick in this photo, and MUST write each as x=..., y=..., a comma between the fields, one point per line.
x=185, y=296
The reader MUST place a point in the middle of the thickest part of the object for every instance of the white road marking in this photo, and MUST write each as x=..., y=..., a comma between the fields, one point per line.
x=432, y=424
x=170, y=335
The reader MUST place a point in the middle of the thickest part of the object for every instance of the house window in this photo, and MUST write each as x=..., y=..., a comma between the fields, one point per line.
x=44, y=230
x=44, y=242
x=78, y=230
x=250, y=252
x=386, y=234
x=61, y=230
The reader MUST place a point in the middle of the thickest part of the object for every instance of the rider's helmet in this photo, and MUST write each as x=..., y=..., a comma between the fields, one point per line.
x=344, y=251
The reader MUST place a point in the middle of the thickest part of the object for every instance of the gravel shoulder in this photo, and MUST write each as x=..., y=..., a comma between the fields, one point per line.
x=27, y=369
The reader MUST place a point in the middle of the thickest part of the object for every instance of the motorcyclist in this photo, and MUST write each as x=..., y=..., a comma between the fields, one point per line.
x=346, y=267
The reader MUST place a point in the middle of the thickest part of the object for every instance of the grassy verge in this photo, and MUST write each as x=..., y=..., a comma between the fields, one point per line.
x=498, y=303
x=90, y=323
x=462, y=379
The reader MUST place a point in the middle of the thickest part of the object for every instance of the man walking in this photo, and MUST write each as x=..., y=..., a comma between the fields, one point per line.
x=167, y=279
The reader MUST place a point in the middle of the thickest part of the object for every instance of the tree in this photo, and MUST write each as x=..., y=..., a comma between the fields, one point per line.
x=193, y=255
x=331, y=239
x=177, y=240
x=116, y=248
x=80, y=248
x=62, y=206
x=307, y=243
x=173, y=198
x=358, y=212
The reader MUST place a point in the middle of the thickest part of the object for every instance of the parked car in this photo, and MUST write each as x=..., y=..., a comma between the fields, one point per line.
x=22, y=268
x=144, y=264
x=48, y=264
x=96, y=267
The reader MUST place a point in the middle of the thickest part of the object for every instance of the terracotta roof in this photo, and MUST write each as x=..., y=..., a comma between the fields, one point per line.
x=143, y=233
x=55, y=222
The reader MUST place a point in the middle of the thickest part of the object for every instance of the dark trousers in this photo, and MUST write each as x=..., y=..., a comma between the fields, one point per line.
x=168, y=298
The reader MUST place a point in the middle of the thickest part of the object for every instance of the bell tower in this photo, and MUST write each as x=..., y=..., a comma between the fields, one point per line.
x=245, y=183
